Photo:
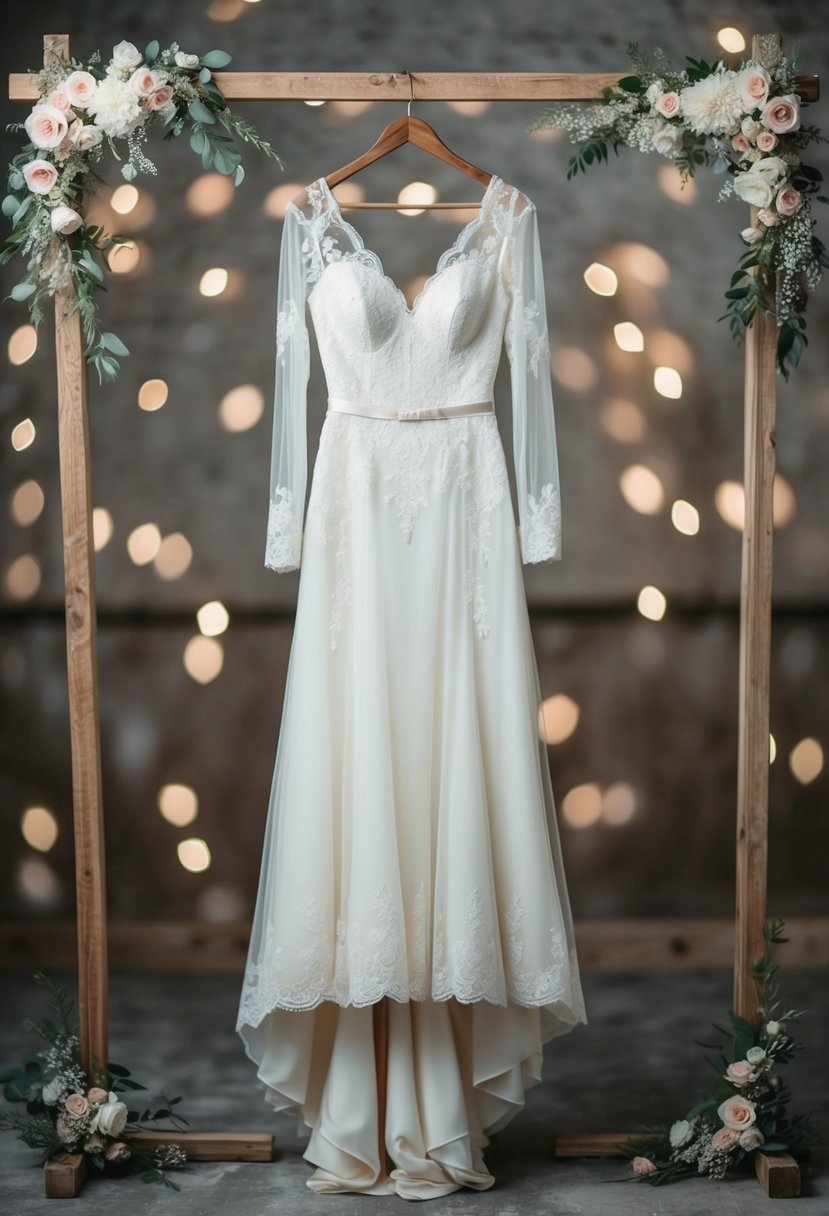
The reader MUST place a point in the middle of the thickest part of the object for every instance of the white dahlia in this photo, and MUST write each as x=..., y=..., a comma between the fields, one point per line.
x=116, y=108
x=713, y=106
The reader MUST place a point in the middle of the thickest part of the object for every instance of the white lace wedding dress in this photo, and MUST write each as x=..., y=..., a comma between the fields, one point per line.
x=411, y=848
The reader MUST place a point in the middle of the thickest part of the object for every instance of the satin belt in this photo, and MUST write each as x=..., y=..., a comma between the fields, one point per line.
x=425, y=411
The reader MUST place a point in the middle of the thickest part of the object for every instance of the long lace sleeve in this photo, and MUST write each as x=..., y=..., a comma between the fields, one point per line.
x=533, y=423
x=289, y=454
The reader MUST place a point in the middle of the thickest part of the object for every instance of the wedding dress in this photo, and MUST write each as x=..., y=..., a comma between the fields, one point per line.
x=411, y=849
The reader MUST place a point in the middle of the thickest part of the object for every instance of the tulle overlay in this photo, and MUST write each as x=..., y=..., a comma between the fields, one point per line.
x=411, y=847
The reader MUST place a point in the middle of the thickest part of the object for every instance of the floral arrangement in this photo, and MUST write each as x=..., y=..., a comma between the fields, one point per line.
x=746, y=122
x=70, y=1112
x=748, y=1108
x=82, y=111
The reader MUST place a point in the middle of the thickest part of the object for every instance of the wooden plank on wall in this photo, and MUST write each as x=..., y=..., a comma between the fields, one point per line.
x=603, y=945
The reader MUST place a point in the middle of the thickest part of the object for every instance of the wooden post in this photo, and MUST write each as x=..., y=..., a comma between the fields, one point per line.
x=81, y=663
x=755, y=646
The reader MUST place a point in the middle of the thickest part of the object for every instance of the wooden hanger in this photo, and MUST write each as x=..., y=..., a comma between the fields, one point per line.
x=412, y=131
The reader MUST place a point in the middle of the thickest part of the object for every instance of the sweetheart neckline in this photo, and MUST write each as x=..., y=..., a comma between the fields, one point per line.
x=441, y=261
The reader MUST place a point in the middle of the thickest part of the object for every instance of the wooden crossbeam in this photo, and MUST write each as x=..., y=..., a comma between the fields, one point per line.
x=395, y=86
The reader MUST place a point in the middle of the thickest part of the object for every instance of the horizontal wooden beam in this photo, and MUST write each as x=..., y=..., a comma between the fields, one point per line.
x=212, y=1146
x=395, y=86
x=624, y=945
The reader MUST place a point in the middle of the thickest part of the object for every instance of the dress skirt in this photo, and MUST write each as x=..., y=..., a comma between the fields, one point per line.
x=411, y=848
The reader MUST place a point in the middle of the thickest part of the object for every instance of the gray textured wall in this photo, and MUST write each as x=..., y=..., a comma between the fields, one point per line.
x=657, y=700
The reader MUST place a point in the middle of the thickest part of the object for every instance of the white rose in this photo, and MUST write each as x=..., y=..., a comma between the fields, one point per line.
x=755, y=1055
x=667, y=139
x=772, y=1029
x=88, y=137
x=771, y=168
x=750, y=127
x=52, y=1091
x=751, y=233
x=125, y=55
x=186, y=61
x=751, y=1138
x=753, y=188
x=64, y=220
x=653, y=92
x=681, y=1133
x=111, y=1117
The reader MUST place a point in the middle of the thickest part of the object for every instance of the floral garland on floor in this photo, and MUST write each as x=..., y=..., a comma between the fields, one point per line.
x=746, y=123
x=747, y=1109
x=70, y=1112
x=82, y=111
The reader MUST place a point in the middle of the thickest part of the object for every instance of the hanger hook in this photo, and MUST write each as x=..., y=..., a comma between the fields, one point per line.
x=411, y=98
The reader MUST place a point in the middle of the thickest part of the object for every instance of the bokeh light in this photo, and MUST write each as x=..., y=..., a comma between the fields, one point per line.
x=203, y=658
x=23, y=577
x=27, y=503
x=153, y=394
x=178, y=804
x=652, y=603
x=39, y=828
x=558, y=718
x=175, y=553
x=642, y=489
x=22, y=344
x=23, y=435
x=143, y=543
x=194, y=854
x=685, y=517
x=241, y=408
x=806, y=760
x=213, y=618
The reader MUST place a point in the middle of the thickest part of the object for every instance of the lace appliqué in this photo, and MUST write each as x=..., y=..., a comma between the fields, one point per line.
x=284, y=540
x=540, y=534
x=410, y=462
x=289, y=321
x=356, y=964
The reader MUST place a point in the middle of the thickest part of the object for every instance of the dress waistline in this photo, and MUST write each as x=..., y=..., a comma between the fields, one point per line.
x=345, y=406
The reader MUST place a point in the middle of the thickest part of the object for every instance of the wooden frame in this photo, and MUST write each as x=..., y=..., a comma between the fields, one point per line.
x=64, y=1176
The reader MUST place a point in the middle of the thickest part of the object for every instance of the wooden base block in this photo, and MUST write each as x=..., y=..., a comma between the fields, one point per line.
x=591, y=1144
x=212, y=1146
x=64, y=1174
x=778, y=1173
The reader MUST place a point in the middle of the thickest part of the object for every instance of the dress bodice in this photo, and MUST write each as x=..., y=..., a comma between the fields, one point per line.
x=486, y=292
x=374, y=348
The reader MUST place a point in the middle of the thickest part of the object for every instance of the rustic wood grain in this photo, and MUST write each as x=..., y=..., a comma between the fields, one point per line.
x=82, y=673
x=64, y=1175
x=778, y=1174
x=212, y=1146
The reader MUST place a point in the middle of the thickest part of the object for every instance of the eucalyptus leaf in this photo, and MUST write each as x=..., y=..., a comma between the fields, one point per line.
x=224, y=162
x=113, y=342
x=204, y=75
x=200, y=112
x=206, y=157
x=16, y=180
x=151, y=51
x=216, y=59
x=10, y=205
x=198, y=139
x=21, y=211
x=22, y=291
x=239, y=175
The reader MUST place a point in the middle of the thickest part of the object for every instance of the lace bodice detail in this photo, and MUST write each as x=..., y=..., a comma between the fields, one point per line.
x=486, y=293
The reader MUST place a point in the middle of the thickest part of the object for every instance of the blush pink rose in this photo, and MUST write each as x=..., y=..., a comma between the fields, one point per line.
x=77, y=1105
x=667, y=104
x=161, y=97
x=725, y=1137
x=96, y=1094
x=788, y=200
x=117, y=1151
x=143, y=81
x=754, y=87
x=740, y=143
x=766, y=216
x=80, y=88
x=740, y=1073
x=59, y=98
x=737, y=1112
x=642, y=1166
x=46, y=126
x=40, y=176
x=767, y=140
x=782, y=114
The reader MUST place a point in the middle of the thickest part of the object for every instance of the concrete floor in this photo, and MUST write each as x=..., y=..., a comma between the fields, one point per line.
x=635, y=1062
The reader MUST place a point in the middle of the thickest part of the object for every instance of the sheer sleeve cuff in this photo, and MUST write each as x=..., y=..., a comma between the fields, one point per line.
x=284, y=540
x=540, y=530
